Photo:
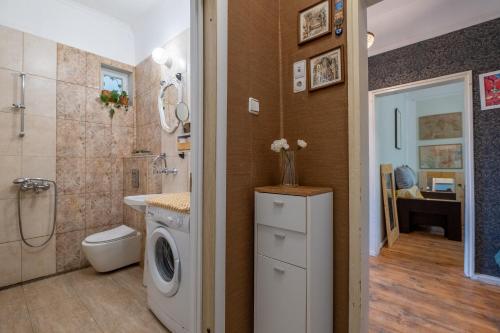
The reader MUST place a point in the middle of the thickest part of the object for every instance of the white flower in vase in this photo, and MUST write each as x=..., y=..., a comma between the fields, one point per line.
x=301, y=144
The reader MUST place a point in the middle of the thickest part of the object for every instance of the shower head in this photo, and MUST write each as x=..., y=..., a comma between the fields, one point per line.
x=18, y=181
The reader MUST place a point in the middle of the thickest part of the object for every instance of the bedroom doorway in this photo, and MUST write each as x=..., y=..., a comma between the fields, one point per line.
x=425, y=126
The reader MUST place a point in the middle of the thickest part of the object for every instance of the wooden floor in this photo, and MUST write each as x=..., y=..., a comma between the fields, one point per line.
x=418, y=286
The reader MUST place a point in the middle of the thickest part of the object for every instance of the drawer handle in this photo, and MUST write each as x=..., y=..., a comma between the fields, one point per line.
x=279, y=270
x=279, y=203
x=279, y=235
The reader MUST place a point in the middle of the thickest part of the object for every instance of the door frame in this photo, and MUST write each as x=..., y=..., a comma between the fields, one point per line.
x=468, y=156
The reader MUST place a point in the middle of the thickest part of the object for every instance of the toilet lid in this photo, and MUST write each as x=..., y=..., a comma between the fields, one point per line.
x=109, y=235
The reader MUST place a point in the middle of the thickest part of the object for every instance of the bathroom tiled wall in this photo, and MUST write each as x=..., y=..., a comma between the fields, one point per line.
x=150, y=135
x=33, y=156
x=90, y=151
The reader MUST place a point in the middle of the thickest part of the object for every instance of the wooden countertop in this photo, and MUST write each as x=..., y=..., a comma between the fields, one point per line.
x=302, y=191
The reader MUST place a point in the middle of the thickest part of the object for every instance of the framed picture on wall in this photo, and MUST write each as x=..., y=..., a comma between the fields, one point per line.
x=326, y=69
x=489, y=85
x=314, y=21
x=441, y=156
x=397, y=128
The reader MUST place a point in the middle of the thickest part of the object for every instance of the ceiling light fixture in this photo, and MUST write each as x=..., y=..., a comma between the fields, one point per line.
x=370, y=39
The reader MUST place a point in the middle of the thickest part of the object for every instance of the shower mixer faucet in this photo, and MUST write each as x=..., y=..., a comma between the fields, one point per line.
x=37, y=185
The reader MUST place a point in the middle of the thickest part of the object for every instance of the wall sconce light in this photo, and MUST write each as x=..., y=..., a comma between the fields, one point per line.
x=370, y=39
x=162, y=57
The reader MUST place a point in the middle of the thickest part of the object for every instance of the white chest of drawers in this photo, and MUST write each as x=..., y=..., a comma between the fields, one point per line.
x=293, y=260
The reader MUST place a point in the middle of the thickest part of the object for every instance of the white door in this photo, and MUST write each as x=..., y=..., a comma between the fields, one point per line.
x=281, y=297
x=164, y=261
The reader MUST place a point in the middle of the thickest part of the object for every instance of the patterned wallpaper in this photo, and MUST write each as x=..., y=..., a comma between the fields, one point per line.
x=475, y=48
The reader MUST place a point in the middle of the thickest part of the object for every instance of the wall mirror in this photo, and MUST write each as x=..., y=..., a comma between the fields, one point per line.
x=168, y=98
x=389, y=203
x=182, y=112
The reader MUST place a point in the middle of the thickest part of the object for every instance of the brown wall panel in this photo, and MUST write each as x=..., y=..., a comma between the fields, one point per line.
x=262, y=46
x=320, y=118
x=253, y=71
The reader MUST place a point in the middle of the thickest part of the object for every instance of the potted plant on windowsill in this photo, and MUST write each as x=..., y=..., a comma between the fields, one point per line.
x=114, y=100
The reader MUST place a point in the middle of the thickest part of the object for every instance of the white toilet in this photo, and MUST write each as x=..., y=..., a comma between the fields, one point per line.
x=113, y=249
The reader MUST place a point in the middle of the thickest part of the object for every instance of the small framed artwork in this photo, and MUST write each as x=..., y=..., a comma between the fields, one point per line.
x=314, y=21
x=489, y=85
x=441, y=156
x=326, y=69
x=397, y=128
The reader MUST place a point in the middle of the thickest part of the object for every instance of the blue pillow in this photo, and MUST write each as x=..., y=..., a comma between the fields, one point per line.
x=405, y=177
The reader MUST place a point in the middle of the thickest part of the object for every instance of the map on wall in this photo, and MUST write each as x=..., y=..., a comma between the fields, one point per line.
x=441, y=126
x=441, y=157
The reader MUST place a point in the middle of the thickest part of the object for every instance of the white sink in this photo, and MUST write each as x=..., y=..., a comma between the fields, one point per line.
x=138, y=202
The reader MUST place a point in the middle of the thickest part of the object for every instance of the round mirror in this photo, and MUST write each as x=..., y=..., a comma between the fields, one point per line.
x=182, y=112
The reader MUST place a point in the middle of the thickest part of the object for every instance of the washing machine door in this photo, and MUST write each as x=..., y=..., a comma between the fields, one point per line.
x=164, y=261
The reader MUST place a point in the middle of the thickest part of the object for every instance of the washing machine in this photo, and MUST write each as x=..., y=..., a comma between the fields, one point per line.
x=167, y=270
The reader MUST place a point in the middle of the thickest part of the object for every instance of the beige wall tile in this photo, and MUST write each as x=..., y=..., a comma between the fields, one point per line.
x=143, y=106
x=10, y=142
x=98, y=175
x=71, y=101
x=95, y=111
x=37, y=262
x=93, y=78
x=40, y=96
x=70, y=213
x=130, y=164
x=71, y=65
x=117, y=175
x=10, y=89
x=10, y=269
x=122, y=141
x=124, y=118
x=39, y=167
x=40, y=138
x=11, y=49
x=98, y=140
x=69, y=250
x=149, y=137
x=97, y=210
x=70, y=138
x=10, y=169
x=37, y=214
x=9, y=227
x=179, y=182
x=70, y=175
x=40, y=56
x=117, y=207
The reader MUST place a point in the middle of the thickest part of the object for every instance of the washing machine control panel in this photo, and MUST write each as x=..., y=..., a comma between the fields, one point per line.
x=169, y=218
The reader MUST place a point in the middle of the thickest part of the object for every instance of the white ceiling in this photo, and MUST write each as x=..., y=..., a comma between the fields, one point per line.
x=124, y=10
x=397, y=23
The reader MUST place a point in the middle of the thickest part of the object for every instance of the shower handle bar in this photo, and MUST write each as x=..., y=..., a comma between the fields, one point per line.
x=21, y=105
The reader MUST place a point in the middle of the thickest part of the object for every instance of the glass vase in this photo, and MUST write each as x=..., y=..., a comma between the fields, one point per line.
x=288, y=170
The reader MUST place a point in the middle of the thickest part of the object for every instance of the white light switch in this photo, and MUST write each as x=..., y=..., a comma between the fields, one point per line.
x=253, y=106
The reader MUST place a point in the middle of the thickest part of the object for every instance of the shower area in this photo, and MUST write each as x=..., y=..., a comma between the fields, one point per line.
x=65, y=162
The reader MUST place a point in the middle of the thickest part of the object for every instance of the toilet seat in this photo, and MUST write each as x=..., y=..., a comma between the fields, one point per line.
x=118, y=233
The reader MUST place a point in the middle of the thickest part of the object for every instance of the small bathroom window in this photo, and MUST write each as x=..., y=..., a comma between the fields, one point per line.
x=112, y=79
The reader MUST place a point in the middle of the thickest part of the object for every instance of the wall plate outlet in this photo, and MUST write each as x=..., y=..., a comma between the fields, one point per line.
x=253, y=106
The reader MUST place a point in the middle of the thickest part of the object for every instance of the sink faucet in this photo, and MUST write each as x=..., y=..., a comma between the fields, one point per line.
x=164, y=169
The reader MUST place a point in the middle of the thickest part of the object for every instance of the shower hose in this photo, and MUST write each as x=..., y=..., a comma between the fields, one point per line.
x=20, y=220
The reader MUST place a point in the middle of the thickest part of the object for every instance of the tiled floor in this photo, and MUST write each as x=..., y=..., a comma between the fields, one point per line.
x=80, y=301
